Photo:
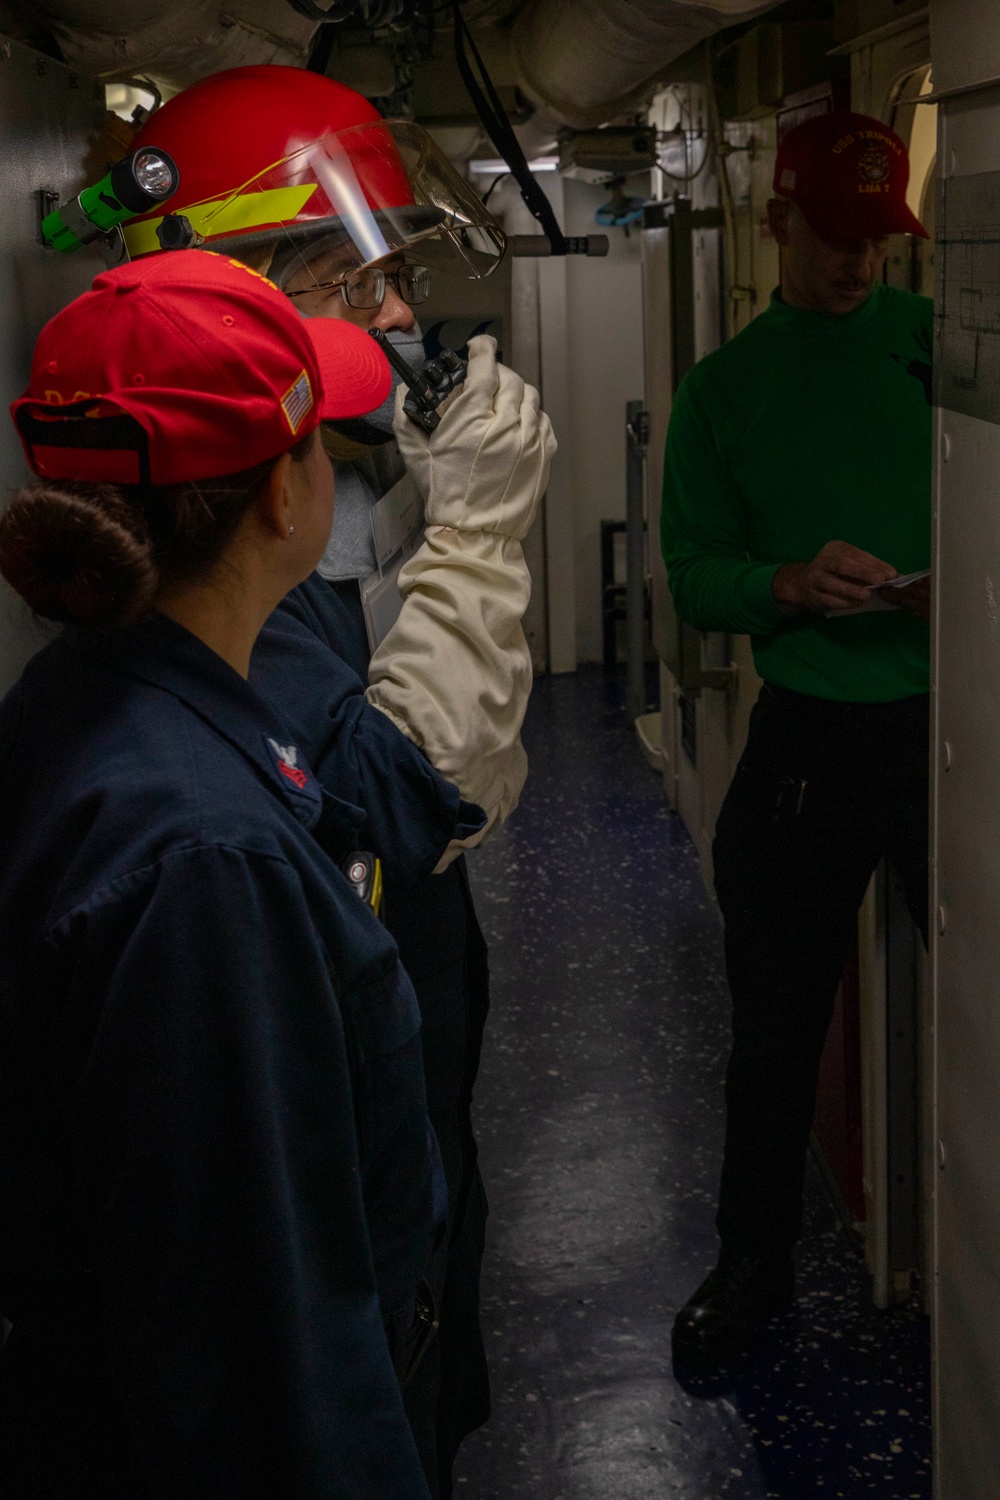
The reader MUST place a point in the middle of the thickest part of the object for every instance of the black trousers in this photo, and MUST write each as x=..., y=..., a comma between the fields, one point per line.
x=823, y=791
x=444, y=952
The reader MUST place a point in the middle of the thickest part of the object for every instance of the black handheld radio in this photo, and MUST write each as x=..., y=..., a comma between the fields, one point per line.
x=427, y=389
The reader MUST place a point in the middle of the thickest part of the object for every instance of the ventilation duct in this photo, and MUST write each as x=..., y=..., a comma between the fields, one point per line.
x=588, y=61
x=581, y=62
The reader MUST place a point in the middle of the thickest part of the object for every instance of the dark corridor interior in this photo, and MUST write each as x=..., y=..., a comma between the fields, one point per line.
x=599, y=1113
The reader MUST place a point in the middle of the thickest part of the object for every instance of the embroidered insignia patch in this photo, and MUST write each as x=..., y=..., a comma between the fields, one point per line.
x=296, y=776
x=297, y=402
x=873, y=165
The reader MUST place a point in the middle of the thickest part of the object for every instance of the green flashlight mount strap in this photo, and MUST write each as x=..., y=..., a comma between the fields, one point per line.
x=74, y=224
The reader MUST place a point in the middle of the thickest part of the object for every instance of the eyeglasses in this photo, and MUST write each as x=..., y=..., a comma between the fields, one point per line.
x=365, y=289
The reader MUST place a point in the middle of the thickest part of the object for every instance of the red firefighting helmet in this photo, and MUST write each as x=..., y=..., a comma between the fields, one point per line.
x=286, y=157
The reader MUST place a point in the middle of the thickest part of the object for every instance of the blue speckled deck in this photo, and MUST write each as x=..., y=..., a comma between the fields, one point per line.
x=599, y=1112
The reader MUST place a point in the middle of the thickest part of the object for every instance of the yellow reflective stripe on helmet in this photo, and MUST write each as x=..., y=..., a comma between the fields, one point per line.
x=226, y=215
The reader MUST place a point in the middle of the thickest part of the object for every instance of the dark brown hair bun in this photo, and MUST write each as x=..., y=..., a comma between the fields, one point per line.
x=96, y=554
x=78, y=553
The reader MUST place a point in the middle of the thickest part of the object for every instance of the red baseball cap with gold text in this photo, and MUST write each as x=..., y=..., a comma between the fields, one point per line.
x=848, y=174
x=187, y=366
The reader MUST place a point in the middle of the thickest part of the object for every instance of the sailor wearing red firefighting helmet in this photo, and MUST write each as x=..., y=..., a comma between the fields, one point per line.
x=302, y=179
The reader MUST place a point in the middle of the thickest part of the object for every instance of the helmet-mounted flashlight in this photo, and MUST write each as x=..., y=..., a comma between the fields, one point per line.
x=133, y=186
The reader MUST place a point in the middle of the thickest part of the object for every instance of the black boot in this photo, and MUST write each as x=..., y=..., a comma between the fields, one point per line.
x=732, y=1303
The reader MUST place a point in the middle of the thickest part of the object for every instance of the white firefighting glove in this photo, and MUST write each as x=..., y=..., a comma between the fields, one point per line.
x=454, y=672
x=486, y=466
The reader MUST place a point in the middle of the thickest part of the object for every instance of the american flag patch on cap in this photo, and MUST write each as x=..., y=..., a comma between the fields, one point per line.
x=297, y=402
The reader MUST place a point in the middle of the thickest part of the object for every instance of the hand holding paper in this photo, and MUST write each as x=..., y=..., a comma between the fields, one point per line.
x=840, y=578
x=910, y=592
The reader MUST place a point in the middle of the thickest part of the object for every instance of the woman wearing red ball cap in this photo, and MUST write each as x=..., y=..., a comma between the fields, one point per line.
x=796, y=488
x=218, y=1182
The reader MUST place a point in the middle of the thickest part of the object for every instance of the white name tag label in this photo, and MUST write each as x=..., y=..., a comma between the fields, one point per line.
x=397, y=530
x=395, y=519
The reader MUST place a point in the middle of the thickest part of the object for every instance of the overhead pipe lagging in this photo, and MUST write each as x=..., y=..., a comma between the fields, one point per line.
x=589, y=61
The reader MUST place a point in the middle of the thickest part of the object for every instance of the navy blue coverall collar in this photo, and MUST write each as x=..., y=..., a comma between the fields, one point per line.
x=162, y=653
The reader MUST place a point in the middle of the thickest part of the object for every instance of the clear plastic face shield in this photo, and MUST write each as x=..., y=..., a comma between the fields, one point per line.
x=353, y=214
x=346, y=224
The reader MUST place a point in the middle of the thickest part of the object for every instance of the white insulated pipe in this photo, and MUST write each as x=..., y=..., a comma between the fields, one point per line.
x=582, y=62
x=588, y=61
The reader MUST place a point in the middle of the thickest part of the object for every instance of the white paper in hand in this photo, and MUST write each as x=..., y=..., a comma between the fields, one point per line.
x=874, y=601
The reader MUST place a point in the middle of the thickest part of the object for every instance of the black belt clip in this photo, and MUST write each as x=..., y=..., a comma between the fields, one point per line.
x=791, y=795
x=420, y=1334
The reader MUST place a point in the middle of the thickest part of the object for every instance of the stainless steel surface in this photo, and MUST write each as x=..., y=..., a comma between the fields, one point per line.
x=49, y=118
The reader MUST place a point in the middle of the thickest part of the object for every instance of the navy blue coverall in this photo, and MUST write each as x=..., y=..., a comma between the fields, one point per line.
x=311, y=661
x=215, y=1153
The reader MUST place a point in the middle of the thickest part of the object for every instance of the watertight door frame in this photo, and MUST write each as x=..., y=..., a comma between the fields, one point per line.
x=965, y=54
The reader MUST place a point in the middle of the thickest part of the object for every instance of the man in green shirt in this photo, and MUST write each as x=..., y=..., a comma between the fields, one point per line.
x=796, y=487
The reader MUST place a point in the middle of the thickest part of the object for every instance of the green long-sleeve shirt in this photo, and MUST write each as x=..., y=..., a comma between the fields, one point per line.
x=806, y=429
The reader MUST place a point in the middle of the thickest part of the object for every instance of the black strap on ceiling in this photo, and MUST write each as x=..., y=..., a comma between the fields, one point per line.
x=501, y=132
x=340, y=10
x=322, y=47
x=322, y=50
x=70, y=427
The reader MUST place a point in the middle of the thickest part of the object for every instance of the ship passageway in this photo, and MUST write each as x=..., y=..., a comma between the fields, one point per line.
x=599, y=1114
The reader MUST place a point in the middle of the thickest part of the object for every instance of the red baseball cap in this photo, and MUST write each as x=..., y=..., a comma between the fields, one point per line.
x=848, y=174
x=187, y=366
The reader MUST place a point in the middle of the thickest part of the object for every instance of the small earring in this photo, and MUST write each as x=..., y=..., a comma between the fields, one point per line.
x=290, y=530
